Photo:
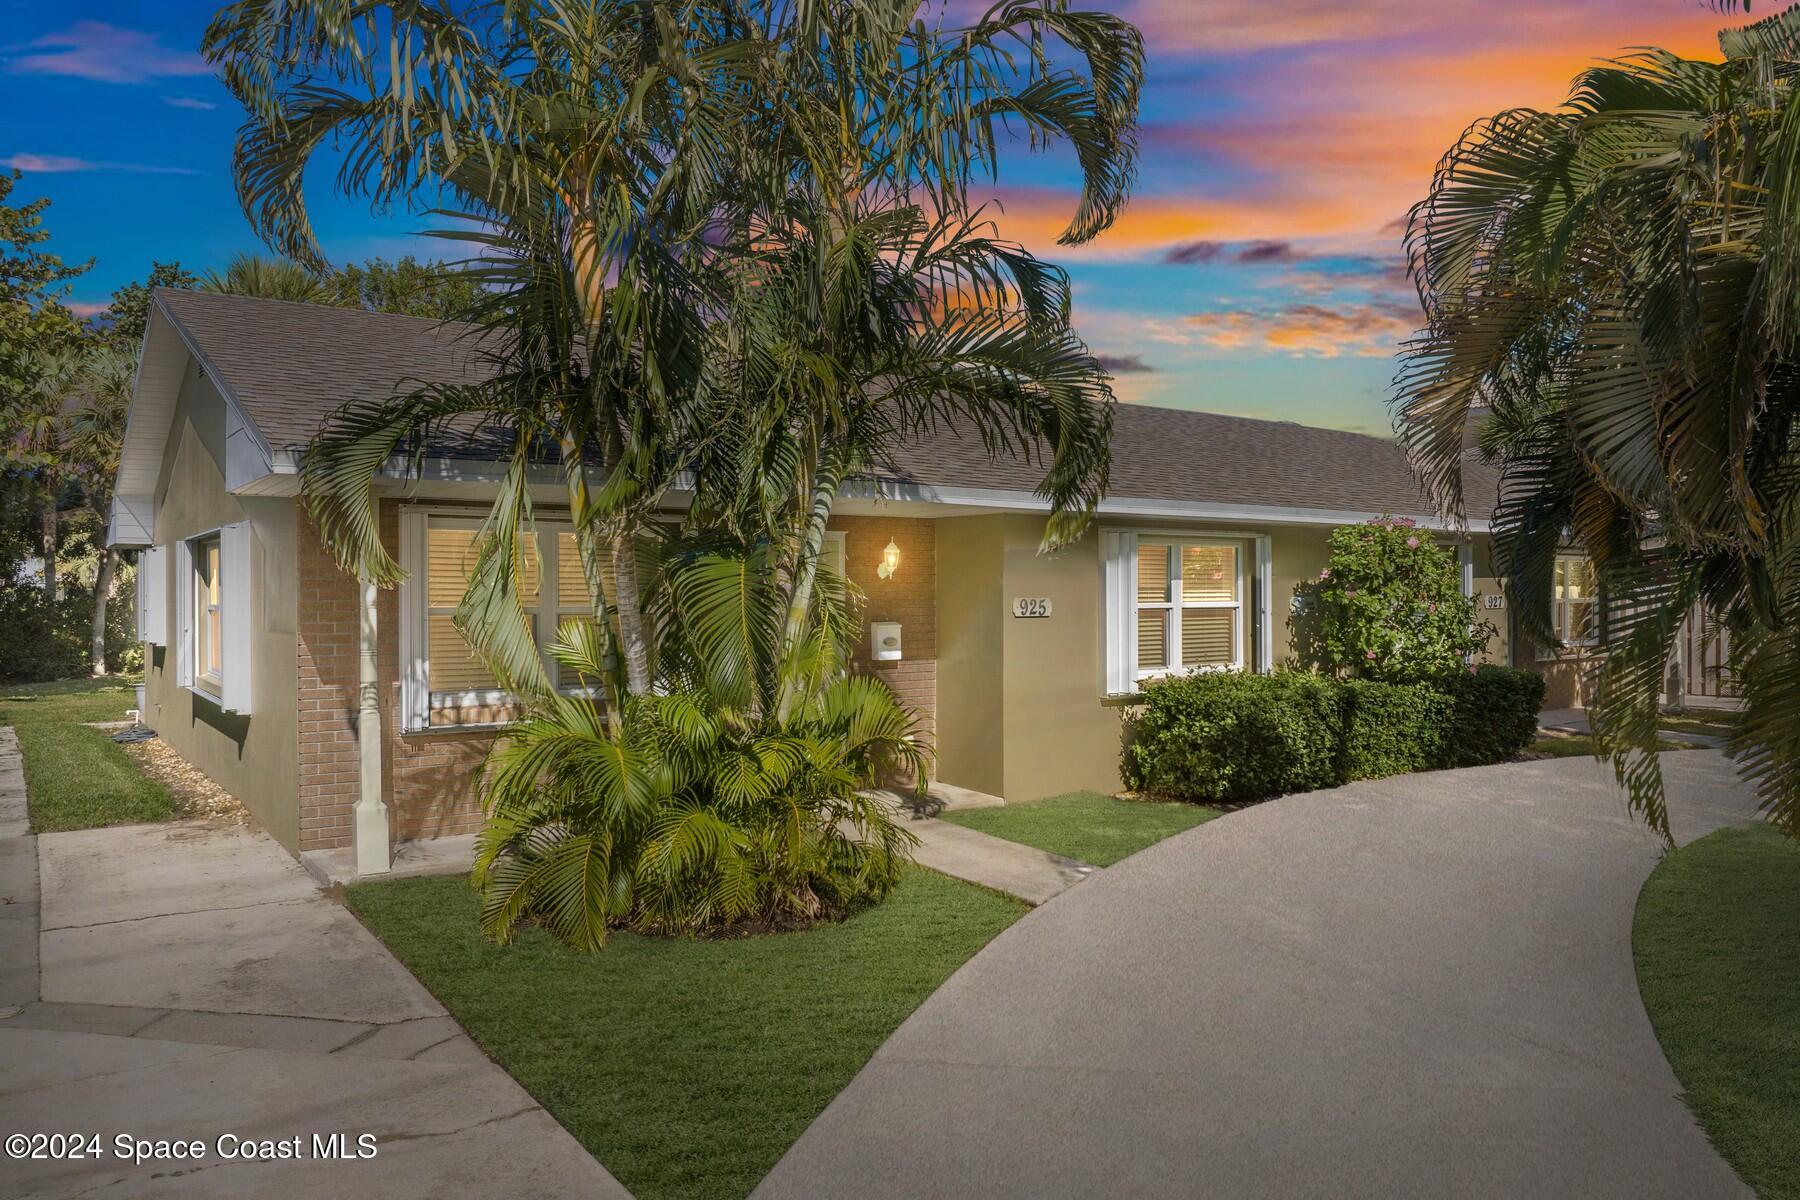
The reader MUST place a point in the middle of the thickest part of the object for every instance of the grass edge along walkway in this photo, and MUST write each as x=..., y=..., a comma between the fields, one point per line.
x=1086, y=826
x=1716, y=936
x=77, y=777
x=687, y=1067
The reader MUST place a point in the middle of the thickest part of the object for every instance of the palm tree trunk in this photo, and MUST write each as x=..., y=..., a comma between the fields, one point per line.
x=588, y=546
x=103, y=590
x=630, y=607
x=806, y=570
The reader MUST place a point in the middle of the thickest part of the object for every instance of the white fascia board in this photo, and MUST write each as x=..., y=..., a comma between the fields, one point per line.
x=452, y=471
x=1124, y=506
x=155, y=394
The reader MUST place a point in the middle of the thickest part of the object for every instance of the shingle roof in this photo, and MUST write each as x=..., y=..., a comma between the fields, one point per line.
x=291, y=365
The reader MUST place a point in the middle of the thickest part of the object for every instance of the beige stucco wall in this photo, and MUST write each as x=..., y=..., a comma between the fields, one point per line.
x=254, y=756
x=1020, y=708
x=970, y=703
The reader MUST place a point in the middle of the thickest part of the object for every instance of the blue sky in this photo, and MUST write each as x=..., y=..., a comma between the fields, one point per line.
x=1256, y=272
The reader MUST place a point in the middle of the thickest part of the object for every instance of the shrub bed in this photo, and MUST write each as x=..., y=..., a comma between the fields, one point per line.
x=1234, y=738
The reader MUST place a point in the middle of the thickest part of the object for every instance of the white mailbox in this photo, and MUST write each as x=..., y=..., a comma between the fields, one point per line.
x=884, y=641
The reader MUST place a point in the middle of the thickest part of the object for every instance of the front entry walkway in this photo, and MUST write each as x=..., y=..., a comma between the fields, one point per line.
x=1420, y=986
x=190, y=981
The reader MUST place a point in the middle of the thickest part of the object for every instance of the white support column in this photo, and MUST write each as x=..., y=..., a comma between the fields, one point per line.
x=1265, y=603
x=370, y=836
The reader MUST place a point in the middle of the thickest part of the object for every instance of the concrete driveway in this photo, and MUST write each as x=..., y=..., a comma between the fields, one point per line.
x=190, y=982
x=1420, y=986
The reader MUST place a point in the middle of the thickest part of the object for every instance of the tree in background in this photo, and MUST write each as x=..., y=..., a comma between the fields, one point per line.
x=1618, y=281
x=94, y=440
x=408, y=287
x=269, y=279
x=125, y=319
x=40, y=342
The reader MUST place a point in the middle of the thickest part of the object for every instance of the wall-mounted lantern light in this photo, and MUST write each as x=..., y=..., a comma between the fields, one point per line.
x=890, y=561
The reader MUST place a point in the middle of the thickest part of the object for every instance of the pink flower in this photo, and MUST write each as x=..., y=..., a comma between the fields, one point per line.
x=1368, y=654
x=1412, y=543
x=1431, y=608
x=1351, y=593
x=1325, y=574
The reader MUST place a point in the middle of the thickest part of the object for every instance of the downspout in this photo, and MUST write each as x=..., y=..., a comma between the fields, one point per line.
x=370, y=835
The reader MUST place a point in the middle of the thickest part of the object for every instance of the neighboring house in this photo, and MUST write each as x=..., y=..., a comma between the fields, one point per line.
x=1698, y=672
x=1017, y=662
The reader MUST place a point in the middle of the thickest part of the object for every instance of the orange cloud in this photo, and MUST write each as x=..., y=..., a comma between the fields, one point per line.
x=1035, y=217
x=1308, y=330
x=1335, y=142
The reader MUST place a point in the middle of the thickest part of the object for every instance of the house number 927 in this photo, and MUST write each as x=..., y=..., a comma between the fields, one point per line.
x=1031, y=606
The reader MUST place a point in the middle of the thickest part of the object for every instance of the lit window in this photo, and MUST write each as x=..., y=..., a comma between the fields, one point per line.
x=1575, y=602
x=1188, y=610
x=209, y=660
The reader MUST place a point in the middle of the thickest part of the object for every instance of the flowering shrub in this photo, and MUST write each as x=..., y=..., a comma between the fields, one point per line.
x=1387, y=606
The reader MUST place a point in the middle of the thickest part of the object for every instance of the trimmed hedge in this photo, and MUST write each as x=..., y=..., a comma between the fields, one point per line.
x=1233, y=738
x=1495, y=714
x=1393, y=728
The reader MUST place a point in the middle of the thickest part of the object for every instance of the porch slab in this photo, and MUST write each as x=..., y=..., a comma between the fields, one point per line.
x=423, y=856
x=939, y=797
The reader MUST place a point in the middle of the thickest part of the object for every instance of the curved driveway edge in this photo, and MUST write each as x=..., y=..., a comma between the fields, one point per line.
x=1419, y=986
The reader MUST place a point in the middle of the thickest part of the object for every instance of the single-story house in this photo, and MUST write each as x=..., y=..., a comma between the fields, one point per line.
x=261, y=655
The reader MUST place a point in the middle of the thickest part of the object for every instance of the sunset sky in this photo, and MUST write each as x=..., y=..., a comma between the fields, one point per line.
x=1257, y=270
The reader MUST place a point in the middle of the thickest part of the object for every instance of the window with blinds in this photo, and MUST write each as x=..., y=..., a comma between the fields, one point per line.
x=450, y=557
x=1189, y=609
x=1575, y=601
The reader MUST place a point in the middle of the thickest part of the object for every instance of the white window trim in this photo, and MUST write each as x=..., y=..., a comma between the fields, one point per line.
x=417, y=700
x=232, y=689
x=1119, y=566
x=153, y=596
x=209, y=685
x=1560, y=606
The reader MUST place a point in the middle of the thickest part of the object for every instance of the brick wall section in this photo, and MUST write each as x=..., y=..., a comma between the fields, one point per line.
x=428, y=779
x=910, y=597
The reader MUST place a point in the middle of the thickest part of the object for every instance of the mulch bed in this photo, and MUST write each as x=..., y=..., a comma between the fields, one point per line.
x=196, y=796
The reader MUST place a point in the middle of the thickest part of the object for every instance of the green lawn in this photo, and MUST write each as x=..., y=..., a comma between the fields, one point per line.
x=687, y=1067
x=1577, y=745
x=1085, y=826
x=76, y=777
x=1717, y=937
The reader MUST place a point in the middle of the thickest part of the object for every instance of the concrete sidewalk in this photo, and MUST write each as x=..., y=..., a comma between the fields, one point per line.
x=1032, y=875
x=1417, y=986
x=191, y=981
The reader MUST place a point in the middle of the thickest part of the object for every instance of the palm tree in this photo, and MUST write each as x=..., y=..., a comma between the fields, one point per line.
x=652, y=189
x=39, y=423
x=1618, y=281
x=270, y=279
x=609, y=154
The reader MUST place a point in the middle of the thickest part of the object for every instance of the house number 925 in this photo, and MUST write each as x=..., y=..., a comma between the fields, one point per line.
x=1031, y=606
